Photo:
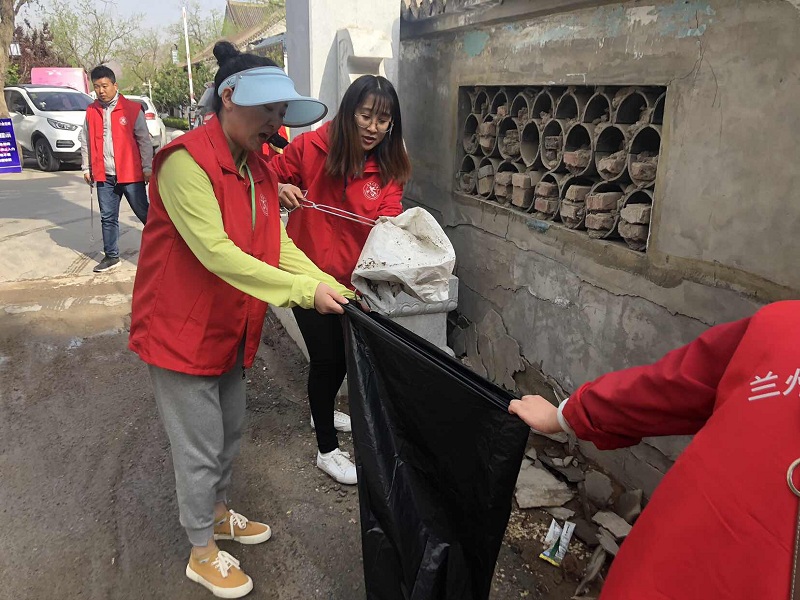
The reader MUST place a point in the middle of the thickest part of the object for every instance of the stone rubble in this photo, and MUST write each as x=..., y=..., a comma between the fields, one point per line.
x=629, y=505
x=557, y=479
x=615, y=524
x=599, y=488
x=608, y=542
x=536, y=488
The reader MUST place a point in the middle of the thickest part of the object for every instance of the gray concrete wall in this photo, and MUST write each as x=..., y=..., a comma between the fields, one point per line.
x=726, y=211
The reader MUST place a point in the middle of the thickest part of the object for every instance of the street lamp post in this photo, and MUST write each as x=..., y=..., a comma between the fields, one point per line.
x=189, y=68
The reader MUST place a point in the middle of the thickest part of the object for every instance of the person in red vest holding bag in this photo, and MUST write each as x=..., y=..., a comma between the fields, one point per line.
x=117, y=155
x=214, y=253
x=357, y=163
x=722, y=523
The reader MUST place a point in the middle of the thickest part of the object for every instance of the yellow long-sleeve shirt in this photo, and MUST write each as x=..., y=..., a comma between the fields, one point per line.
x=191, y=204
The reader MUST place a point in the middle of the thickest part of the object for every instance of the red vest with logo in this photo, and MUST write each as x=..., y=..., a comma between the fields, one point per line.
x=185, y=318
x=127, y=159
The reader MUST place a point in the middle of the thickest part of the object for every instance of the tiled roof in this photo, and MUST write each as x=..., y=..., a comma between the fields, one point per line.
x=243, y=38
x=246, y=15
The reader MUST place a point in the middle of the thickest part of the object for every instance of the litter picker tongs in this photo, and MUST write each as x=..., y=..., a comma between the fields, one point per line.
x=336, y=212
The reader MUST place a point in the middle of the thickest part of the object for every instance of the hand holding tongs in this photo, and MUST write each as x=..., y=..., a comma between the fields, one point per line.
x=336, y=212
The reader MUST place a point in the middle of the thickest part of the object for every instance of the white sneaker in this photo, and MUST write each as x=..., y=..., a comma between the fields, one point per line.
x=337, y=464
x=341, y=422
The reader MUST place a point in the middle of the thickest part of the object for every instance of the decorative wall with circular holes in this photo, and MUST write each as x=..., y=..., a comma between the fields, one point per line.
x=582, y=156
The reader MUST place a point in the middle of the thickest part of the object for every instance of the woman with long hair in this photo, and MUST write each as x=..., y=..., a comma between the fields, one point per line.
x=214, y=253
x=357, y=163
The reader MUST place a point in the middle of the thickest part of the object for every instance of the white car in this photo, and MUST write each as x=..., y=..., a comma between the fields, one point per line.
x=47, y=122
x=158, y=132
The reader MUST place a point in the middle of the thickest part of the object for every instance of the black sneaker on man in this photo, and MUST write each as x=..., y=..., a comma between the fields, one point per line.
x=108, y=263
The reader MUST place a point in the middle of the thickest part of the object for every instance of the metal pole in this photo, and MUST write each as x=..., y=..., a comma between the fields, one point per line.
x=188, y=66
x=150, y=89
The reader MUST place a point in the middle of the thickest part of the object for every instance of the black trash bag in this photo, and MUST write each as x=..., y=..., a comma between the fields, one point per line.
x=437, y=456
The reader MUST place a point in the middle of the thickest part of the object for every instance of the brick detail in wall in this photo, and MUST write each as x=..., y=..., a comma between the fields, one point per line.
x=582, y=156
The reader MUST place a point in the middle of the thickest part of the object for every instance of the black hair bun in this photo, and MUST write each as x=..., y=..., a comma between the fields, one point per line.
x=225, y=51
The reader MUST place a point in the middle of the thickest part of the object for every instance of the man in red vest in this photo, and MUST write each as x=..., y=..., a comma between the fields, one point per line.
x=118, y=156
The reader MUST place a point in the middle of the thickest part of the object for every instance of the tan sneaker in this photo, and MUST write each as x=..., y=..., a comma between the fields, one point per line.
x=240, y=529
x=219, y=573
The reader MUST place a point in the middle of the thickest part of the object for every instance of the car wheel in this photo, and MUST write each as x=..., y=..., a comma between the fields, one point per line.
x=44, y=156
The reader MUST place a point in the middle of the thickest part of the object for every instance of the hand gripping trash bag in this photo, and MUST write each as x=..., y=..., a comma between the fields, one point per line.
x=437, y=456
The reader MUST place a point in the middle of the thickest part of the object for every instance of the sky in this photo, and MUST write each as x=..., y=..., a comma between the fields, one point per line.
x=157, y=13
x=164, y=12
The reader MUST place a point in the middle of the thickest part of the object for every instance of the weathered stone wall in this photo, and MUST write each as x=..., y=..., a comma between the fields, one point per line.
x=547, y=300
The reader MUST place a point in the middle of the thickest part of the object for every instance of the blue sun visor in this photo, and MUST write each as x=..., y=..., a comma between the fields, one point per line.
x=266, y=85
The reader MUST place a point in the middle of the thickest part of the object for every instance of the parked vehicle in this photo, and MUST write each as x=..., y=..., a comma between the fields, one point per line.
x=47, y=122
x=74, y=78
x=204, y=109
x=158, y=132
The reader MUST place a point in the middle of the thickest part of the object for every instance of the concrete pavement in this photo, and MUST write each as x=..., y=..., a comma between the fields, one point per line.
x=50, y=241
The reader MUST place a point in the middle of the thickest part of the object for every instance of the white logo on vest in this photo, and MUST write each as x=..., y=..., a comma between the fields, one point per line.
x=372, y=190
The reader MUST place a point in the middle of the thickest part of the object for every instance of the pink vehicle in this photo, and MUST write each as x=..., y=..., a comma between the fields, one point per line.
x=70, y=77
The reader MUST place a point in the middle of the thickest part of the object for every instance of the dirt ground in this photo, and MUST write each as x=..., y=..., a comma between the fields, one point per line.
x=87, y=492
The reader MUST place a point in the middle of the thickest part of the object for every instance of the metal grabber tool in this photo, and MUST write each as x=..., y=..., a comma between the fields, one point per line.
x=91, y=211
x=336, y=212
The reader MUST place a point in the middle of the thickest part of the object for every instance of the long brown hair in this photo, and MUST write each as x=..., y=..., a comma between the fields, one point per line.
x=345, y=154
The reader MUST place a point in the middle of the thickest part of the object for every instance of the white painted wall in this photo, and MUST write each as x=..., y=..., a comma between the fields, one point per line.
x=321, y=34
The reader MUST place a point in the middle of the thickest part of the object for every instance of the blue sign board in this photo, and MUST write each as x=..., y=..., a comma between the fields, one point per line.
x=9, y=155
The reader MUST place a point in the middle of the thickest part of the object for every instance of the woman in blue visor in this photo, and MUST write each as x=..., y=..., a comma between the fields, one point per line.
x=214, y=253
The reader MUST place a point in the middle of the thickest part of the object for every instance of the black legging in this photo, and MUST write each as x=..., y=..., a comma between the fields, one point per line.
x=325, y=343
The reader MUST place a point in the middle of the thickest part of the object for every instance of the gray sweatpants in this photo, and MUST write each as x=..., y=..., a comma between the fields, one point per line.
x=203, y=417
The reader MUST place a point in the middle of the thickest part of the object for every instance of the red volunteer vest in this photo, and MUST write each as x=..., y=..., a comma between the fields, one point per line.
x=332, y=243
x=185, y=318
x=127, y=159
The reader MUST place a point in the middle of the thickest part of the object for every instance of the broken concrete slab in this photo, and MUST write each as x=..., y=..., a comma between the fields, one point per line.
x=608, y=542
x=615, y=524
x=573, y=474
x=560, y=513
x=538, y=488
x=629, y=505
x=598, y=488
x=586, y=532
x=531, y=454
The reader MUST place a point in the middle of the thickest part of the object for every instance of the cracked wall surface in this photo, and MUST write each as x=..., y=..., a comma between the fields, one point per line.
x=725, y=207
